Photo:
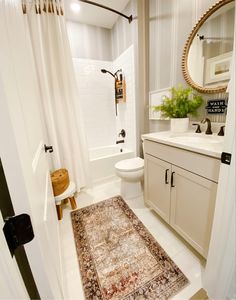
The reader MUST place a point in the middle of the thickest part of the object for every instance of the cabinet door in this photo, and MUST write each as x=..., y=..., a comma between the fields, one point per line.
x=192, y=208
x=157, y=185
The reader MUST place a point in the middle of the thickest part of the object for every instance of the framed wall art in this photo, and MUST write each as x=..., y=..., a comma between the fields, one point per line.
x=155, y=98
x=217, y=68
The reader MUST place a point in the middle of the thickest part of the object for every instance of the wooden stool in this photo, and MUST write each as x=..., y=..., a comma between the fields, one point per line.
x=67, y=195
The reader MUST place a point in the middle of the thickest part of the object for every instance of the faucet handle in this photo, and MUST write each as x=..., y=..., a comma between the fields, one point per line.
x=198, y=130
x=221, y=132
x=122, y=133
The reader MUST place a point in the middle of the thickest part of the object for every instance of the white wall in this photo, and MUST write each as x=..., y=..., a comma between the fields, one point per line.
x=118, y=45
x=170, y=23
x=123, y=33
x=92, y=51
x=123, y=36
x=87, y=41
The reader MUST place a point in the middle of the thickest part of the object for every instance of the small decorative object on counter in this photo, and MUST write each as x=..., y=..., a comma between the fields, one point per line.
x=60, y=181
x=216, y=106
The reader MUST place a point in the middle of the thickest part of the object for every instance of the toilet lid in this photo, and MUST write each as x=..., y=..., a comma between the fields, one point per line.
x=129, y=165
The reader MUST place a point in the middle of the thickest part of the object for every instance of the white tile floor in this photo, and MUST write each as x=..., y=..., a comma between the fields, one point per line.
x=187, y=260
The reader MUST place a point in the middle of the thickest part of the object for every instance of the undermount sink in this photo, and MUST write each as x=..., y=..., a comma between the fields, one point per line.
x=211, y=145
x=198, y=139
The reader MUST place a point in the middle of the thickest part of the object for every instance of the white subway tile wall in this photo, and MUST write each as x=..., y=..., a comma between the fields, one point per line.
x=96, y=97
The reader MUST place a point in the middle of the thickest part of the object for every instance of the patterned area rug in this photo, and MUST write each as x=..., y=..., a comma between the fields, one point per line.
x=119, y=258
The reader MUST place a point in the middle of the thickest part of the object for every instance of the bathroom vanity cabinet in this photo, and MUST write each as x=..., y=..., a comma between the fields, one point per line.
x=180, y=186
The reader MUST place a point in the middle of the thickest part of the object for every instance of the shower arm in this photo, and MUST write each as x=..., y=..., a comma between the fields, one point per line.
x=118, y=71
x=129, y=18
x=113, y=75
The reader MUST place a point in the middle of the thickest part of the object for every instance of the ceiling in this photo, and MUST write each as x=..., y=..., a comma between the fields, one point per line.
x=93, y=15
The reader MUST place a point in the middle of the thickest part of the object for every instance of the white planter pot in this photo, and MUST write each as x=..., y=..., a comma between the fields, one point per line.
x=179, y=124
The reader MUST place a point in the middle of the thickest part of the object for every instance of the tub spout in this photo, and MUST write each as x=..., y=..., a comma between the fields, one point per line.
x=120, y=142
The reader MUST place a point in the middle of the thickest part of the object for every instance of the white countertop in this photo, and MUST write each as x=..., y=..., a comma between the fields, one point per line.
x=211, y=145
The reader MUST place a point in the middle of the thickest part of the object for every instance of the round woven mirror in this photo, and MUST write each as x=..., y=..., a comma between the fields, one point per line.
x=208, y=50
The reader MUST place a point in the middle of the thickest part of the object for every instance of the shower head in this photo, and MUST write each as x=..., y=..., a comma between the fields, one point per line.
x=106, y=71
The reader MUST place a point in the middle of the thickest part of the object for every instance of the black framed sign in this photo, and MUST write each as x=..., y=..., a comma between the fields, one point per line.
x=216, y=106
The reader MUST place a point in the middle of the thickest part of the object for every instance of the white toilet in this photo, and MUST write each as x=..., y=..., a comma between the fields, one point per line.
x=131, y=172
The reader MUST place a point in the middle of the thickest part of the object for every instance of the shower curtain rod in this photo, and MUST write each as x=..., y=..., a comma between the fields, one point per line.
x=203, y=37
x=129, y=18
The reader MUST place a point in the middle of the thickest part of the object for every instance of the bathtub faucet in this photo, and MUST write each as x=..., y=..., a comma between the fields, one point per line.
x=120, y=142
x=122, y=133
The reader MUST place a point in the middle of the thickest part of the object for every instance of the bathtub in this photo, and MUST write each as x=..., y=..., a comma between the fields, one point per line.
x=103, y=160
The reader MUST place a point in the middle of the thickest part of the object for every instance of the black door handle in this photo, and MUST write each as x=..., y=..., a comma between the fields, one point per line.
x=48, y=148
x=166, y=176
x=18, y=231
x=172, y=179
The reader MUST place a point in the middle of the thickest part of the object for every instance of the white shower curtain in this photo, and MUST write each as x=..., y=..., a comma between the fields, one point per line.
x=220, y=274
x=56, y=78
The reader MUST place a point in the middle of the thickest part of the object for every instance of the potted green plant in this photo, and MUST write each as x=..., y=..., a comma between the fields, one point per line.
x=182, y=103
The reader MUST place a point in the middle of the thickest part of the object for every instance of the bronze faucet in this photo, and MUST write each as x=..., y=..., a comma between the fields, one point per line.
x=208, y=130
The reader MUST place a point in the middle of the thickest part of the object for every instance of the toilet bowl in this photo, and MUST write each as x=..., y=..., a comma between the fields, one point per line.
x=131, y=172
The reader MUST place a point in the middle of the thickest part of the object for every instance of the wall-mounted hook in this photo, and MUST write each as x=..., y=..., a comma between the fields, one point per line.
x=48, y=149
